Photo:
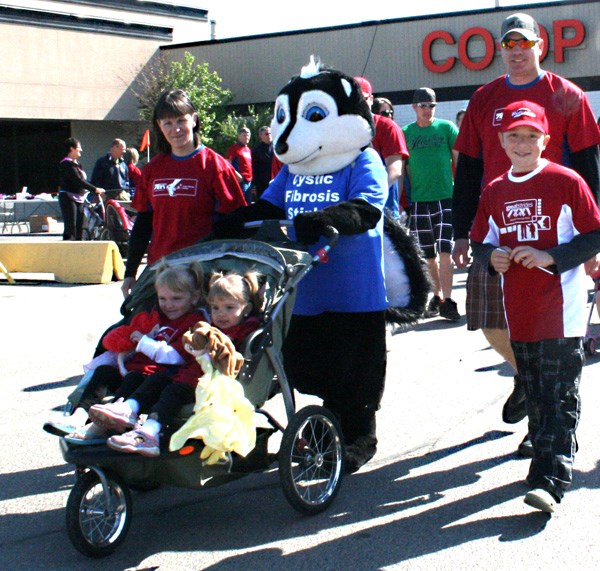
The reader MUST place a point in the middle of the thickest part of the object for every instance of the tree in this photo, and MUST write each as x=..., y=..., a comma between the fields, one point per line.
x=229, y=127
x=201, y=85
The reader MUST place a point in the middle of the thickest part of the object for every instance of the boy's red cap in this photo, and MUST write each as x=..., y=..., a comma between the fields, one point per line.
x=524, y=113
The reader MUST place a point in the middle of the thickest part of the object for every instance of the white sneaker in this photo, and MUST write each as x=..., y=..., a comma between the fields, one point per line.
x=541, y=500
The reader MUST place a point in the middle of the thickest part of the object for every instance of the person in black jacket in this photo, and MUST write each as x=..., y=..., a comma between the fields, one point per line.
x=262, y=160
x=111, y=170
x=74, y=187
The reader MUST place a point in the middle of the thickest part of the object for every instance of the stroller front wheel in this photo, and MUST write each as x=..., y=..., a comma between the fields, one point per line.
x=98, y=519
x=311, y=459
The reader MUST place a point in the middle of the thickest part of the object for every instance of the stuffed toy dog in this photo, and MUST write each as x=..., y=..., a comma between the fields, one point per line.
x=204, y=338
x=223, y=417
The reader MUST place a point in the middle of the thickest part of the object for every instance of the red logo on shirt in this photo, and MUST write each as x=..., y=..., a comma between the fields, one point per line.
x=175, y=187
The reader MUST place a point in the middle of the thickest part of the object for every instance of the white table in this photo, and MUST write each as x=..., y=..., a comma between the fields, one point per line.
x=25, y=208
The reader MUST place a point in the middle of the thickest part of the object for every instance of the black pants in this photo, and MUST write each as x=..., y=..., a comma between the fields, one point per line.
x=161, y=398
x=341, y=358
x=106, y=381
x=551, y=371
x=72, y=213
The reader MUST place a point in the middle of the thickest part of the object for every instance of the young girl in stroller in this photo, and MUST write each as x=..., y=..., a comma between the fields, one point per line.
x=234, y=302
x=154, y=338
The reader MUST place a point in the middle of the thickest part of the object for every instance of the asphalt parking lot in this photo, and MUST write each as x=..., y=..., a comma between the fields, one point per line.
x=445, y=490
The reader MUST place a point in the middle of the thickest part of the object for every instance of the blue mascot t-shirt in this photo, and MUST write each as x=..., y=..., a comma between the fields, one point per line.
x=352, y=280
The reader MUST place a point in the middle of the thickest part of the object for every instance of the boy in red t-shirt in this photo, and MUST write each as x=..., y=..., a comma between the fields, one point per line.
x=536, y=225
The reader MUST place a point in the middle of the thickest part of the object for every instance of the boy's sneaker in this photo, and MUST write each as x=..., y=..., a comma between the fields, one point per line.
x=541, y=500
x=433, y=307
x=135, y=441
x=514, y=409
x=114, y=416
x=449, y=310
x=525, y=449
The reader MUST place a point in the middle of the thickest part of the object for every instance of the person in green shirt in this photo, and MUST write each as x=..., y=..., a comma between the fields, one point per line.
x=429, y=141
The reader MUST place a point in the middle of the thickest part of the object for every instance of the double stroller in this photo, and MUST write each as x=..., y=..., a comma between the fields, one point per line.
x=310, y=456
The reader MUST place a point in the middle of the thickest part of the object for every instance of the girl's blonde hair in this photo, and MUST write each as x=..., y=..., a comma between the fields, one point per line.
x=242, y=288
x=181, y=278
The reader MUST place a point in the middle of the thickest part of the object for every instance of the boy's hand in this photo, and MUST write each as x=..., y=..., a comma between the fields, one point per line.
x=530, y=257
x=500, y=259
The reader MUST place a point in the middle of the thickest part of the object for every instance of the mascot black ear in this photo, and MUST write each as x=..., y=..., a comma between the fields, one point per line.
x=321, y=121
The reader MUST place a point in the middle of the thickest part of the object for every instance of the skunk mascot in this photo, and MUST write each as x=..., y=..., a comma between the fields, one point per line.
x=336, y=345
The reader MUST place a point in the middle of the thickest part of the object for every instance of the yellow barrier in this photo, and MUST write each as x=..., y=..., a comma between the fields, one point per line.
x=70, y=262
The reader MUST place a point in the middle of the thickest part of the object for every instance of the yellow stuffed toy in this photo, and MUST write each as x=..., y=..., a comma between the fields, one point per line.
x=223, y=417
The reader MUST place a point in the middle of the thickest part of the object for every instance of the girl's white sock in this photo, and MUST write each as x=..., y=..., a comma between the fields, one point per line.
x=151, y=427
x=133, y=405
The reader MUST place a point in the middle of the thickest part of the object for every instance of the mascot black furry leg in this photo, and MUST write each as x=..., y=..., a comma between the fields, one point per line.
x=336, y=346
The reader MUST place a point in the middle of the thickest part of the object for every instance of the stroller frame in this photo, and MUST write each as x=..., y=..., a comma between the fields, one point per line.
x=310, y=457
x=109, y=219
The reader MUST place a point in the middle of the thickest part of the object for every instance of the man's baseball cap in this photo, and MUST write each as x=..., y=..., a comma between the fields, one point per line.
x=424, y=95
x=365, y=85
x=524, y=113
x=522, y=24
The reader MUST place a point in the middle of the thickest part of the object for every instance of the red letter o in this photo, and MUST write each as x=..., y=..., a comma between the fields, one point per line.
x=490, y=48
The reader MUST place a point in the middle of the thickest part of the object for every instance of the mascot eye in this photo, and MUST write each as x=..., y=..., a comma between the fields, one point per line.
x=315, y=113
x=280, y=114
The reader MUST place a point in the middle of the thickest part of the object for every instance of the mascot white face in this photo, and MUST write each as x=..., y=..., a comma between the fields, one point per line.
x=321, y=122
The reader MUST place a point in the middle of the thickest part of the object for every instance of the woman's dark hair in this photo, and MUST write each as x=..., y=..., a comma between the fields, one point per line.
x=70, y=143
x=378, y=107
x=172, y=104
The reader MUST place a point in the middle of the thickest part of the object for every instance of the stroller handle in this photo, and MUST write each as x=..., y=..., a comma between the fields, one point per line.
x=329, y=232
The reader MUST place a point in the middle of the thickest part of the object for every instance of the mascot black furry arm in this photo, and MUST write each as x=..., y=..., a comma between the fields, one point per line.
x=336, y=345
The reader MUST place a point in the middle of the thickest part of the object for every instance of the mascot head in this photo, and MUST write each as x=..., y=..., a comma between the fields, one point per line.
x=321, y=121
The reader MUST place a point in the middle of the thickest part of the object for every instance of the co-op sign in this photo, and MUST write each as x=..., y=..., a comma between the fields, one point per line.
x=565, y=34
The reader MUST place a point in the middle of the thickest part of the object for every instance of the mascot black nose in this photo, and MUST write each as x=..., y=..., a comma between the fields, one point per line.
x=281, y=148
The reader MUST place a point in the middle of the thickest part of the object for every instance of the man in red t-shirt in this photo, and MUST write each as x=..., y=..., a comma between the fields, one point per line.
x=389, y=142
x=481, y=159
x=240, y=156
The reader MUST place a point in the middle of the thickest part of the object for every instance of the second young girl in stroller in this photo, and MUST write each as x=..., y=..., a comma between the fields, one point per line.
x=234, y=302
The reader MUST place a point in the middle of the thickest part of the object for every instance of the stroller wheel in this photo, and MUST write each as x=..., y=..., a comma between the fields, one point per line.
x=311, y=459
x=105, y=234
x=97, y=519
x=590, y=347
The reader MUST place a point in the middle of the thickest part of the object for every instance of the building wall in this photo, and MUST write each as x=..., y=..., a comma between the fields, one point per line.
x=69, y=75
x=389, y=53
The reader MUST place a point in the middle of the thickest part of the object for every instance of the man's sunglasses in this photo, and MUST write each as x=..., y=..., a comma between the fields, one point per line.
x=523, y=44
x=426, y=105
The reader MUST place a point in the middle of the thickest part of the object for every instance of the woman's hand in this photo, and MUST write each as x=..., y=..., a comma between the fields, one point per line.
x=127, y=286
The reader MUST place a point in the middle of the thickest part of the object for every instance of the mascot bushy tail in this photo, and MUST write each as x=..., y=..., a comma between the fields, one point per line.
x=407, y=280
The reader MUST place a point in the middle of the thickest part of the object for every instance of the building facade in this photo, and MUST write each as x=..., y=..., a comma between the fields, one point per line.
x=65, y=75
x=67, y=69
